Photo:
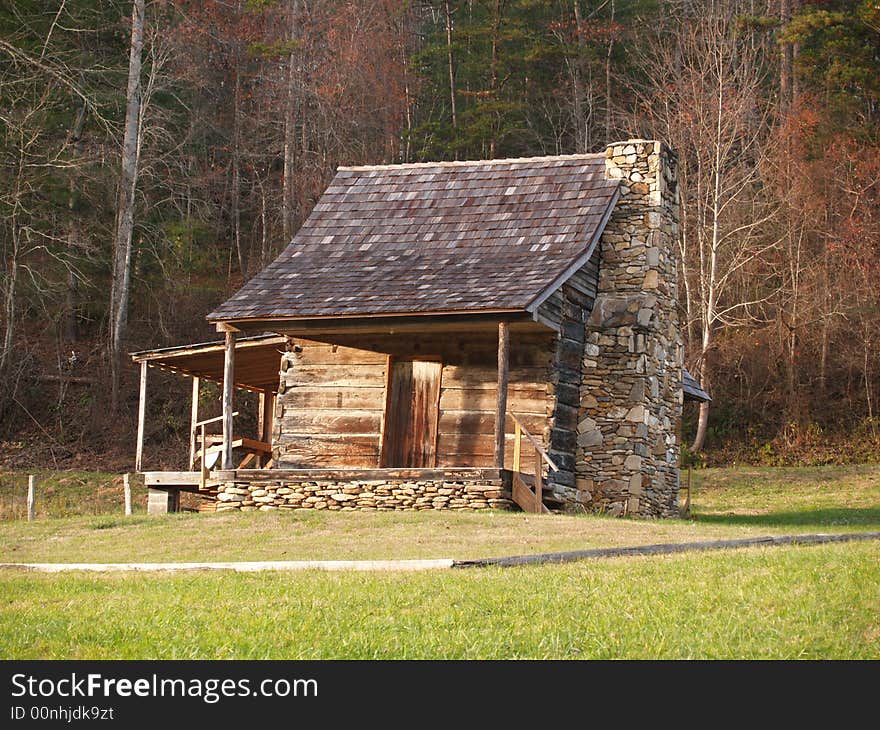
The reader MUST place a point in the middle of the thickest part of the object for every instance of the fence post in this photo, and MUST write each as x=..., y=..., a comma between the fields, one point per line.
x=126, y=486
x=31, y=495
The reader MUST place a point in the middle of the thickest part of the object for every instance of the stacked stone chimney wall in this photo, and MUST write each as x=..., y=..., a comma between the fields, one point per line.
x=627, y=454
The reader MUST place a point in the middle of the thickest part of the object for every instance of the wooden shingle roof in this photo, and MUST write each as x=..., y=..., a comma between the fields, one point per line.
x=435, y=237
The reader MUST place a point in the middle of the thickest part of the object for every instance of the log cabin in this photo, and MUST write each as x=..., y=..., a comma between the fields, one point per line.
x=455, y=335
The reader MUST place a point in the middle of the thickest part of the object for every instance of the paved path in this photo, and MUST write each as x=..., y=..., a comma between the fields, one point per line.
x=667, y=548
x=238, y=567
x=445, y=563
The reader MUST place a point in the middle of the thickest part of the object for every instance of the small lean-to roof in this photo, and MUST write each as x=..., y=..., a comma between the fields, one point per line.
x=257, y=360
x=692, y=389
x=428, y=238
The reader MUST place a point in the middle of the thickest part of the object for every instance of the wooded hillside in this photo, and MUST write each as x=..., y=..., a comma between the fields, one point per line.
x=155, y=154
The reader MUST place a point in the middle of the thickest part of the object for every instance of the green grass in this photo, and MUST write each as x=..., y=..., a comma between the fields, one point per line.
x=786, y=603
x=789, y=497
x=797, y=602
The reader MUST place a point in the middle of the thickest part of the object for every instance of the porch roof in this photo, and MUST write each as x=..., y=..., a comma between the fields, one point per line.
x=257, y=361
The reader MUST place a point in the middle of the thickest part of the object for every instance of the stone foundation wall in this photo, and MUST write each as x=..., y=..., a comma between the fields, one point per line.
x=630, y=396
x=340, y=494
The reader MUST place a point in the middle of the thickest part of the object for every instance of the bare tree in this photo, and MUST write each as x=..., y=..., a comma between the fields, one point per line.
x=37, y=87
x=126, y=202
x=290, y=141
x=704, y=97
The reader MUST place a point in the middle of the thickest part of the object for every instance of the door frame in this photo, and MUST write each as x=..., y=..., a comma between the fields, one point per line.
x=389, y=361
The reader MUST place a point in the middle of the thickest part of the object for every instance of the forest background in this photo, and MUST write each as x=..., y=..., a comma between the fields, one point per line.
x=155, y=154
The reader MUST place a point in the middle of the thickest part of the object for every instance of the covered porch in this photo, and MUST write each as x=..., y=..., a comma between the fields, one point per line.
x=414, y=413
x=258, y=360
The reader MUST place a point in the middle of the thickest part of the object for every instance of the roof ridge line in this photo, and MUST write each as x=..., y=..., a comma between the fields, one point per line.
x=459, y=163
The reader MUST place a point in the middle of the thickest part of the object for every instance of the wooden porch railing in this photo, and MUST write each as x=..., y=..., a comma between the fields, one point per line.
x=523, y=495
x=202, y=453
x=212, y=445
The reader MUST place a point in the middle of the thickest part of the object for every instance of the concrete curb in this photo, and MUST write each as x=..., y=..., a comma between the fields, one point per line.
x=667, y=548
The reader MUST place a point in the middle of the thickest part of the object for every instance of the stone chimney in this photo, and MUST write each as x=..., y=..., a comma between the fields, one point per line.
x=627, y=454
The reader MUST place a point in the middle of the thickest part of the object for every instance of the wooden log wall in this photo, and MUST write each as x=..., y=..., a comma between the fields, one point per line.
x=329, y=408
x=569, y=308
x=332, y=398
x=568, y=357
x=469, y=392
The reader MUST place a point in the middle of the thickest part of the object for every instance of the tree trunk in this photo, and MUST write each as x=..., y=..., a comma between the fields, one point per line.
x=9, y=305
x=10, y=292
x=451, y=66
x=793, y=240
x=608, y=83
x=70, y=329
x=236, y=175
x=685, y=280
x=703, y=419
x=581, y=135
x=493, y=72
x=711, y=280
x=786, y=61
x=264, y=226
x=126, y=202
x=866, y=342
x=826, y=324
x=408, y=100
x=287, y=196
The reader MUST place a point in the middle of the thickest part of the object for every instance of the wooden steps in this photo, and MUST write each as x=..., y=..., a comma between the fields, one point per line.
x=524, y=496
x=549, y=499
x=528, y=491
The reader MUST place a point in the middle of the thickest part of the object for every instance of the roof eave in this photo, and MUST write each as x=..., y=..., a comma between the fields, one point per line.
x=273, y=322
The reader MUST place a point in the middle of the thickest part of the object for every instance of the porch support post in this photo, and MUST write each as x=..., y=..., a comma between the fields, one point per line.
x=228, y=390
x=271, y=400
x=193, y=420
x=142, y=411
x=501, y=403
x=264, y=421
x=261, y=417
x=266, y=415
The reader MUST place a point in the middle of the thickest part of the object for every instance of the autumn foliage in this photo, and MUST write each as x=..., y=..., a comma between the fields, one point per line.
x=248, y=106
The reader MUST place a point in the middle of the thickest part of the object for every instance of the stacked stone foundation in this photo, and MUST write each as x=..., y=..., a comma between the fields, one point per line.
x=372, y=495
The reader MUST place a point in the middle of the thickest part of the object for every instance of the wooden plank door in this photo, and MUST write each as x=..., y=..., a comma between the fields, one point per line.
x=411, y=414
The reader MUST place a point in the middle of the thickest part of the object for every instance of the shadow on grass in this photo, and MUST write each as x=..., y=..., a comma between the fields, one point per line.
x=817, y=517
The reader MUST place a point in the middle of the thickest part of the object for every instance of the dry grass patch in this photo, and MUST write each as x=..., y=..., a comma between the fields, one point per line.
x=728, y=503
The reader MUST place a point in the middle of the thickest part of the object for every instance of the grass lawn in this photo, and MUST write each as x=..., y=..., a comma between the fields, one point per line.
x=816, y=602
x=811, y=602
